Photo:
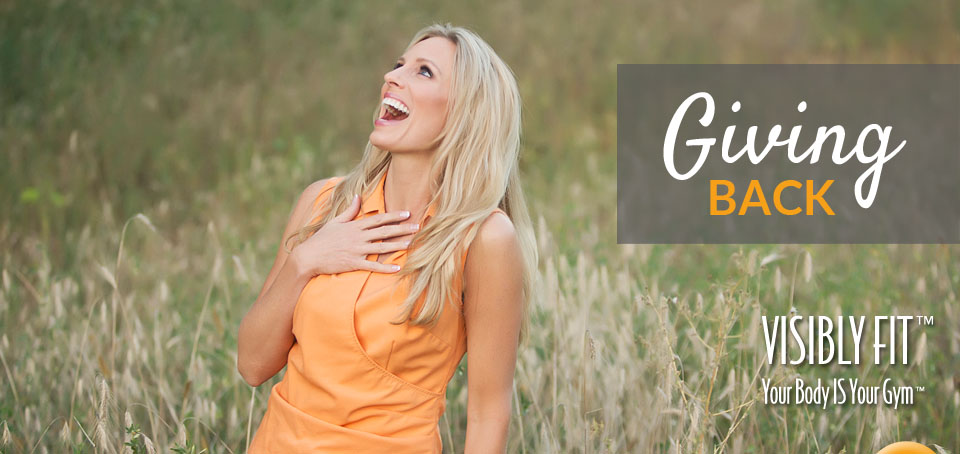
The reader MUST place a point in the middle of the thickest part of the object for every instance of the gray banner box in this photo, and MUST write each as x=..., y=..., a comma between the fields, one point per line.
x=918, y=189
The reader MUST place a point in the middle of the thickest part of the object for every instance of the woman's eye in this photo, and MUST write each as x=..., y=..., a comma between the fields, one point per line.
x=424, y=69
x=397, y=65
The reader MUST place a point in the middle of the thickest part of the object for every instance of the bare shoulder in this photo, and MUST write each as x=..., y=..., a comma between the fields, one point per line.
x=495, y=249
x=496, y=231
x=312, y=191
x=493, y=273
x=307, y=199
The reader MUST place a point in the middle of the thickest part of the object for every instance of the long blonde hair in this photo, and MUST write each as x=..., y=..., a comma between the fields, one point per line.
x=475, y=169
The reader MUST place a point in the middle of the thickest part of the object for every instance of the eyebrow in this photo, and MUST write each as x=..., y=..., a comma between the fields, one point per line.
x=437, y=67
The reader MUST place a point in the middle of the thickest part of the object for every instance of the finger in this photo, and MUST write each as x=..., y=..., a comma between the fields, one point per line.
x=383, y=218
x=351, y=211
x=390, y=231
x=386, y=246
x=372, y=265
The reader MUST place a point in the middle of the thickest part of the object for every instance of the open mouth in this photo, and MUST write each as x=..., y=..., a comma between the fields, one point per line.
x=394, y=109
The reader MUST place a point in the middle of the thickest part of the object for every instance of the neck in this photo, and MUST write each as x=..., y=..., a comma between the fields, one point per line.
x=407, y=186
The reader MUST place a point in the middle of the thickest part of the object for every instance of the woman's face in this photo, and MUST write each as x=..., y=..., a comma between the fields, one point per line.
x=414, y=97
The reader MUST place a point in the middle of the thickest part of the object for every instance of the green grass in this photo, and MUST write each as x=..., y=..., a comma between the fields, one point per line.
x=209, y=118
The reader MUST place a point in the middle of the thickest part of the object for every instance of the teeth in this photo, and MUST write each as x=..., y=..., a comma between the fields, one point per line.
x=396, y=104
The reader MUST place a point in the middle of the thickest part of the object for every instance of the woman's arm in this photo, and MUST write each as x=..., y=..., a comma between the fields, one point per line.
x=266, y=331
x=492, y=310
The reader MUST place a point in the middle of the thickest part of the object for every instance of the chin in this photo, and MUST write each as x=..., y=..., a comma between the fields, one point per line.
x=376, y=140
x=379, y=143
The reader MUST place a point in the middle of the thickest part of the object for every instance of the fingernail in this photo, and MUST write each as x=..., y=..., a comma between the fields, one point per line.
x=405, y=213
x=405, y=244
x=414, y=226
x=395, y=267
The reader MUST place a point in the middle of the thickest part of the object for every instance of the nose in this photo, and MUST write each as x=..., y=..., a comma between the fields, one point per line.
x=393, y=77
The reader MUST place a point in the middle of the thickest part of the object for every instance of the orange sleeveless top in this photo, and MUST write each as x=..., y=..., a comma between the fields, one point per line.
x=354, y=382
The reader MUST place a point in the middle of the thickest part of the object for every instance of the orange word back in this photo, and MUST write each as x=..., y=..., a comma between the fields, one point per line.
x=723, y=201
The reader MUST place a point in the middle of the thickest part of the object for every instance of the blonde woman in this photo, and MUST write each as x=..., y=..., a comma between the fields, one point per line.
x=422, y=253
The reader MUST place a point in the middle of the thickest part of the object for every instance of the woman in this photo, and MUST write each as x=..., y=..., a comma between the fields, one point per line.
x=423, y=252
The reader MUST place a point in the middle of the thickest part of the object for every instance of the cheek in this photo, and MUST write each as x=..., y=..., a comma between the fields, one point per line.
x=438, y=111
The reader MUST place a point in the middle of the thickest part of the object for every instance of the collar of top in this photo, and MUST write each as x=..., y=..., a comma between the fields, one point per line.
x=373, y=202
